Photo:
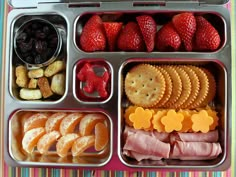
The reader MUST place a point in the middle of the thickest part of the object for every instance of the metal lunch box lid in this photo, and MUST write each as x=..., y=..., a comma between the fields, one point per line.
x=34, y=3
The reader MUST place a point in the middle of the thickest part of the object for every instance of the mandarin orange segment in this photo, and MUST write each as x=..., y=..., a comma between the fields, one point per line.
x=141, y=118
x=172, y=121
x=88, y=123
x=25, y=116
x=69, y=122
x=157, y=125
x=101, y=136
x=53, y=122
x=46, y=141
x=31, y=138
x=82, y=144
x=65, y=143
x=201, y=122
x=35, y=121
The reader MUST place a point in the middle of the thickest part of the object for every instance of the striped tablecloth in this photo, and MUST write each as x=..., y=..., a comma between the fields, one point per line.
x=7, y=171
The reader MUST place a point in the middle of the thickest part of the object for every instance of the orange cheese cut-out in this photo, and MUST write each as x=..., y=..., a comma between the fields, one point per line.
x=141, y=118
x=157, y=125
x=201, y=122
x=172, y=121
x=128, y=111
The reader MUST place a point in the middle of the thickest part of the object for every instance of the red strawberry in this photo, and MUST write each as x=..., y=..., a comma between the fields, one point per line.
x=130, y=38
x=93, y=35
x=148, y=28
x=112, y=31
x=167, y=38
x=207, y=37
x=185, y=25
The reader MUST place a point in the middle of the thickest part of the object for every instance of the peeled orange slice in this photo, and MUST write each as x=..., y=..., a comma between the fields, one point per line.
x=101, y=136
x=53, y=122
x=46, y=141
x=81, y=144
x=35, y=121
x=88, y=123
x=69, y=122
x=31, y=138
x=24, y=116
x=65, y=143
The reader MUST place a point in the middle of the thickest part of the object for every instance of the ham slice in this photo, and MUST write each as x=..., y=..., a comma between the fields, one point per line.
x=139, y=156
x=195, y=150
x=162, y=136
x=138, y=144
x=210, y=137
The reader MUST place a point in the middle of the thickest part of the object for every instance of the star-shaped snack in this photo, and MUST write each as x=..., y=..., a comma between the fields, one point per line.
x=172, y=121
x=201, y=121
x=141, y=118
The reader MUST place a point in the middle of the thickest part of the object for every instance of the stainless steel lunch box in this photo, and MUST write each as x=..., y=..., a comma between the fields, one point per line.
x=69, y=17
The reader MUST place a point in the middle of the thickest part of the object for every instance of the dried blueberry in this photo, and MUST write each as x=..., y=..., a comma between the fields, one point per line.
x=38, y=47
x=29, y=59
x=53, y=42
x=25, y=47
x=21, y=38
x=46, y=30
x=38, y=59
x=36, y=26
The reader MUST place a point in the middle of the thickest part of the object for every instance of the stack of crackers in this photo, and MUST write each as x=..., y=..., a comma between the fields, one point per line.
x=169, y=86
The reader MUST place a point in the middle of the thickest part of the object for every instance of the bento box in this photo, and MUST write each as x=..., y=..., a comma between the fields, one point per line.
x=148, y=82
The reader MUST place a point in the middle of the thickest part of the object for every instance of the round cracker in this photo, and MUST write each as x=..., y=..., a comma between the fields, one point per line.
x=144, y=85
x=168, y=88
x=195, y=86
x=176, y=83
x=186, y=87
x=212, y=86
x=204, y=87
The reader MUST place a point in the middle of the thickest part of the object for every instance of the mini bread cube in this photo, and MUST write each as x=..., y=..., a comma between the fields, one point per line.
x=21, y=76
x=33, y=83
x=54, y=68
x=36, y=73
x=44, y=87
x=30, y=94
x=58, y=84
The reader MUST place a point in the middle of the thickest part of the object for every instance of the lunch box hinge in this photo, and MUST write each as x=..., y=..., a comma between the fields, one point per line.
x=183, y=3
x=18, y=4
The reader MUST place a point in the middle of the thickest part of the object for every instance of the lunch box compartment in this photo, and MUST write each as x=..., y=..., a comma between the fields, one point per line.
x=60, y=25
x=219, y=103
x=161, y=18
x=89, y=157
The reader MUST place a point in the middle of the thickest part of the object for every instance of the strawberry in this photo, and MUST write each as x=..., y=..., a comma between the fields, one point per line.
x=93, y=35
x=167, y=39
x=130, y=38
x=112, y=30
x=185, y=25
x=148, y=28
x=207, y=37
